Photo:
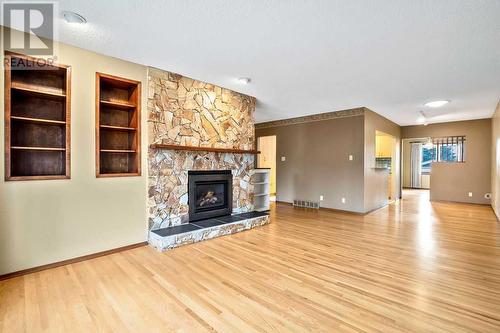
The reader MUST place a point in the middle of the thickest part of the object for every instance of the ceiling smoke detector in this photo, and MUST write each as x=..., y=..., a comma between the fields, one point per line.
x=244, y=80
x=73, y=18
x=436, y=104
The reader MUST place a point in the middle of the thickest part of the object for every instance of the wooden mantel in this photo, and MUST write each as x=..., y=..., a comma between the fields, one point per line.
x=209, y=149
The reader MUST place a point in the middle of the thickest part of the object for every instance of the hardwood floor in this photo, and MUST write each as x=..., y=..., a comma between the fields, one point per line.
x=413, y=266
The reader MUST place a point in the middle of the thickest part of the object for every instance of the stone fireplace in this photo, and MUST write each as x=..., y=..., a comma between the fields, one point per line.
x=217, y=125
x=210, y=194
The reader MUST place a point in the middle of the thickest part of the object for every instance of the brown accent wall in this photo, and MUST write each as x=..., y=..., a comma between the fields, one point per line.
x=375, y=180
x=495, y=161
x=317, y=150
x=453, y=181
x=317, y=160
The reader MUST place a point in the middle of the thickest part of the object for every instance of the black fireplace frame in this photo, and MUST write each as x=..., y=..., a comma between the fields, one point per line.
x=207, y=176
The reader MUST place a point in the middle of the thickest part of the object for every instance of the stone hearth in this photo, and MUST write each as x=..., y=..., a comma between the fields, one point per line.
x=169, y=238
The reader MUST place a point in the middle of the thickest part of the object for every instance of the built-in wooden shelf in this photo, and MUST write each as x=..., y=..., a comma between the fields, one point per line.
x=208, y=149
x=33, y=89
x=118, y=151
x=118, y=128
x=119, y=104
x=37, y=119
x=38, y=148
x=118, y=125
x=118, y=174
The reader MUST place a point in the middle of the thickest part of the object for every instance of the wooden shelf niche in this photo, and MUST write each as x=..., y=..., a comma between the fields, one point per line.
x=37, y=119
x=118, y=122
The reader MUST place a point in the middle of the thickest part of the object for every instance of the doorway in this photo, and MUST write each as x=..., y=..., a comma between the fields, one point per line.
x=385, y=157
x=417, y=159
x=267, y=159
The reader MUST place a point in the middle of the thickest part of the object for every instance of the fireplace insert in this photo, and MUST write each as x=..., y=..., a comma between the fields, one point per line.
x=210, y=194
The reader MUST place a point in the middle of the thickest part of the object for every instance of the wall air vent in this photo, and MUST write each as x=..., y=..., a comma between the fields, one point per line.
x=306, y=204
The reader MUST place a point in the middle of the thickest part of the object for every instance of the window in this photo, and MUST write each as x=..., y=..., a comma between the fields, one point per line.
x=428, y=156
x=446, y=149
x=449, y=149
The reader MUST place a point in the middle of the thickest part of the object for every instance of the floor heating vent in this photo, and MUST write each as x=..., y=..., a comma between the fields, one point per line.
x=306, y=204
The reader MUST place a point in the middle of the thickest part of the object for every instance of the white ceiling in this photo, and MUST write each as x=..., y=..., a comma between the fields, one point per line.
x=307, y=57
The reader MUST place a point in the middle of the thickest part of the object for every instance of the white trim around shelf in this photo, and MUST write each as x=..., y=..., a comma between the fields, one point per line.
x=261, y=170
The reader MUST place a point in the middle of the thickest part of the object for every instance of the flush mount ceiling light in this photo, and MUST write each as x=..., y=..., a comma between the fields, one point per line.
x=73, y=18
x=436, y=104
x=243, y=80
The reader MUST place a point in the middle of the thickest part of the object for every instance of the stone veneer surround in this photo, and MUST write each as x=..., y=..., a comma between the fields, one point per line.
x=187, y=112
x=168, y=182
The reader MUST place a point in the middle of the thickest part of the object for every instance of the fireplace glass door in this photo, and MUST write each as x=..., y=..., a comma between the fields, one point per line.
x=210, y=194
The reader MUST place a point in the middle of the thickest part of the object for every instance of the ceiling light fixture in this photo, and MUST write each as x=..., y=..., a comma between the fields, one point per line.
x=73, y=18
x=243, y=80
x=436, y=104
x=429, y=143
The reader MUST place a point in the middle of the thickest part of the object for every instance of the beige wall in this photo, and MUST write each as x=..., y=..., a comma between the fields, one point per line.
x=453, y=181
x=375, y=181
x=495, y=161
x=317, y=161
x=52, y=220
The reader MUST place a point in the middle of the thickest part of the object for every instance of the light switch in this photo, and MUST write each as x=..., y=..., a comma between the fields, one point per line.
x=283, y=158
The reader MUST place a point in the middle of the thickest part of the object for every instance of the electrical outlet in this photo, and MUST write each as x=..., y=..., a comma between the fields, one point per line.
x=320, y=198
x=470, y=194
x=343, y=200
x=351, y=158
x=283, y=158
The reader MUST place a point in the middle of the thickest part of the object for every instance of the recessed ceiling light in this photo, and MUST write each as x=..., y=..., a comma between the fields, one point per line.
x=243, y=80
x=436, y=104
x=73, y=18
